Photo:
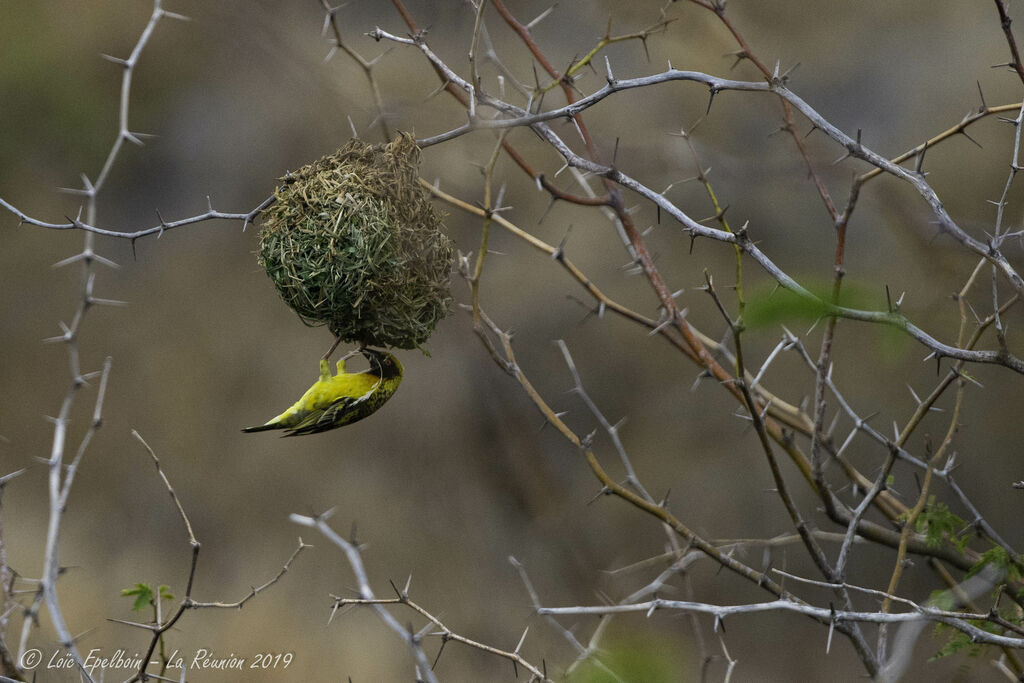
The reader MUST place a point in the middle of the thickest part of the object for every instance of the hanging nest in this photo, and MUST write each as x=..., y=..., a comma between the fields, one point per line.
x=353, y=242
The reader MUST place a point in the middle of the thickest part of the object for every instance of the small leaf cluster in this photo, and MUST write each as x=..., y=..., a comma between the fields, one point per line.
x=145, y=595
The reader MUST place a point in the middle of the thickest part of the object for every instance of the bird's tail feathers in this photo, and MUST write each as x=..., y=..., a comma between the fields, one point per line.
x=261, y=428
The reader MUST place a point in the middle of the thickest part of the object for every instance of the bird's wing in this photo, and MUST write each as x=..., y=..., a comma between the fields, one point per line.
x=314, y=422
x=322, y=419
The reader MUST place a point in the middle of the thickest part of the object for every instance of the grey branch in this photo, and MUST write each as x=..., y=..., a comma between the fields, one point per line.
x=355, y=560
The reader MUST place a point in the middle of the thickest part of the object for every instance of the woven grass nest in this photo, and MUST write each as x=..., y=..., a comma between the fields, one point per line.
x=353, y=242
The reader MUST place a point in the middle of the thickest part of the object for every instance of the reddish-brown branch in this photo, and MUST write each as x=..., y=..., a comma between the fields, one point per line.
x=787, y=109
x=643, y=257
x=664, y=293
x=891, y=507
x=536, y=175
x=565, y=83
x=1005, y=21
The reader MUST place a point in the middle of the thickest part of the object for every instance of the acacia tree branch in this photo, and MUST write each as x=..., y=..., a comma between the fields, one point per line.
x=891, y=317
x=958, y=620
x=1011, y=41
x=331, y=21
x=853, y=520
x=790, y=416
x=424, y=669
x=508, y=116
x=814, y=550
x=445, y=633
x=741, y=239
x=162, y=626
x=60, y=476
x=158, y=230
x=855, y=148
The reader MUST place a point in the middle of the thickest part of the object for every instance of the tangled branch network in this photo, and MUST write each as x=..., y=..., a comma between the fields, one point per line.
x=916, y=528
x=510, y=116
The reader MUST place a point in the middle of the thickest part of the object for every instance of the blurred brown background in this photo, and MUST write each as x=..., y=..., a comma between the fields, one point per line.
x=456, y=473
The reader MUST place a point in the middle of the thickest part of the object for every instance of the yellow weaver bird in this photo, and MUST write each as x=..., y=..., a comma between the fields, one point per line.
x=342, y=399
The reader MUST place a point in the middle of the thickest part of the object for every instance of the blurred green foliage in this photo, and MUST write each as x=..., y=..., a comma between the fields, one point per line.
x=630, y=658
x=771, y=306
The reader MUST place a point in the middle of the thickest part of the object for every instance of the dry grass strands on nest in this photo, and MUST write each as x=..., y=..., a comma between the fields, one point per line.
x=353, y=242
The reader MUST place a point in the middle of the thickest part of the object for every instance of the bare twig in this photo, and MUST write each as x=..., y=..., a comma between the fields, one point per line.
x=162, y=626
x=424, y=669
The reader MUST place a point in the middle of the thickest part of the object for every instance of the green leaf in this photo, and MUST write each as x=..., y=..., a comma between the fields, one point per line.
x=939, y=524
x=1001, y=560
x=958, y=640
x=143, y=595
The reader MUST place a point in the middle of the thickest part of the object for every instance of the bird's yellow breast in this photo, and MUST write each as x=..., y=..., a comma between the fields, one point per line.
x=323, y=393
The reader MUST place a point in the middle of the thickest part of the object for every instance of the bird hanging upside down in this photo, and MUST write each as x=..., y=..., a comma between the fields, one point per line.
x=342, y=399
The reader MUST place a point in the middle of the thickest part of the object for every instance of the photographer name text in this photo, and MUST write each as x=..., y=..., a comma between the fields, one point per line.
x=120, y=659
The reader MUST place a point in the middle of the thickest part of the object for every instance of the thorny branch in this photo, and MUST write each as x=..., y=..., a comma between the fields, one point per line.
x=773, y=419
x=61, y=474
x=507, y=115
x=424, y=669
x=559, y=255
x=161, y=626
x=443, y=632
x=742, y=240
